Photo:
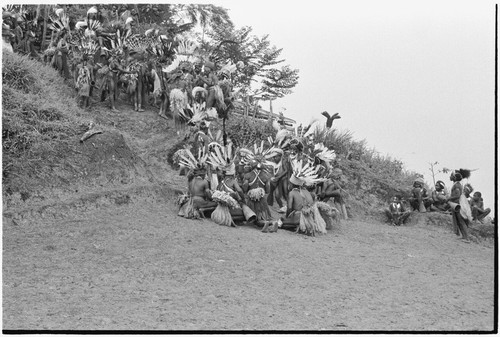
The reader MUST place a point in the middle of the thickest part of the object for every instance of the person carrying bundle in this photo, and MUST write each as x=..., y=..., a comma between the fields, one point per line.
x=223, y=158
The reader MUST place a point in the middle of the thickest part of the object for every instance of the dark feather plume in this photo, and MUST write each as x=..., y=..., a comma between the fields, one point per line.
x=465, y=173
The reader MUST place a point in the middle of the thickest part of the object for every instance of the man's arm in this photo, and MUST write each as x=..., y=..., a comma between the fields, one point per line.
x=206, y=189
x=246, y=179
x=238, y=189
x=455, y=195
x=290, y=201
x=267, y=187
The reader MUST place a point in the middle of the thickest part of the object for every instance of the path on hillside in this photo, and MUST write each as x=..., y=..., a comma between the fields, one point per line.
x=139, y=266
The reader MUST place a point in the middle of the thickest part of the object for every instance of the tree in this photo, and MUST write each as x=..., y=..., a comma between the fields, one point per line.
x=260, y=76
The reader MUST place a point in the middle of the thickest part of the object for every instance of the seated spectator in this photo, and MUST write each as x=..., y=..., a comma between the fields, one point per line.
x=419, y=200
x=439, y=198
x=397, y=212
x=477, y=206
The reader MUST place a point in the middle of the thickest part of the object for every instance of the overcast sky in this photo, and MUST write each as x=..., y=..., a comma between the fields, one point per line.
x=415, y=79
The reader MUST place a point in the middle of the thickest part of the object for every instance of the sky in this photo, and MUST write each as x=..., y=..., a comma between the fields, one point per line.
x=416, y=80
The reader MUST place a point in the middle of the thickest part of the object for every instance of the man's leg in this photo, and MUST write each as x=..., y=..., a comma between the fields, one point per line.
x=483, y=214
x=404, y=217
x=388, y=213
x=462, y=226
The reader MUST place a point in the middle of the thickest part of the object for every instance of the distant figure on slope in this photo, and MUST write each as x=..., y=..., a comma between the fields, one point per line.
x=83, y=82
x=477, y=206
x=397, y=213
x=439, y=198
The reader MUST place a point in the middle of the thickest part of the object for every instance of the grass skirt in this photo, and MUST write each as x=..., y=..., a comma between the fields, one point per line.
x=260, y=207
x=311, y=221
x=178, y=102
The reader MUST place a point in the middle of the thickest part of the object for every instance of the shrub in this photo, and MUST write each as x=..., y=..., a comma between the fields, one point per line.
x=245, y=131
x=18, y=72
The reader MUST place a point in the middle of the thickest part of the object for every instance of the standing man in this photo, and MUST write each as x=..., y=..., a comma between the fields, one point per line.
x=459, y=223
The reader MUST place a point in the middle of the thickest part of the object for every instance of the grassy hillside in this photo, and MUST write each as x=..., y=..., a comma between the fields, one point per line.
x=42, y=126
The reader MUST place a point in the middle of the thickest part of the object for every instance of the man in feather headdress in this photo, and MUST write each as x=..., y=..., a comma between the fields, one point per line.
x=229, y=184
x=331, y=188
x=199, y=195
x=293, y=152
x=302, y=209
x=256, y=186
x=110, y=80
x=278, y=183
x=84, y=74
x=300, y=213
x=211, y=81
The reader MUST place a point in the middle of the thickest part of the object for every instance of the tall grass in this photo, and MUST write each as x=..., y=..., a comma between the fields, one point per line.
x=38, y=114
x=367, y=171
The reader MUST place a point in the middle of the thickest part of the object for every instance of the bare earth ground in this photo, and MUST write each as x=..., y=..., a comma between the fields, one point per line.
x=128, y=262
x=139, y=266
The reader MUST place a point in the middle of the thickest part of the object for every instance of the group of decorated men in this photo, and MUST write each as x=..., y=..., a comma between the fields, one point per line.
x=107, y=53
x=291, y=170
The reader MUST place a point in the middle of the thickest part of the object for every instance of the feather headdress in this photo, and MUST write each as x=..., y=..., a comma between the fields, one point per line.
x=227, y=69
x=281, y=140
x=60, y=22
x=120, y=38
x=305, y=172
x=259, y=154
x=222, y=157
x=200, y=114
x=323, y=153
x=187, y=159
x=465, y=173
x=88, y=46
x=208, y=140
x=186, y=47
x=140, y=43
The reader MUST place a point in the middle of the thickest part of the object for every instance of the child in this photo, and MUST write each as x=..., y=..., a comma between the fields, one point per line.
x=477, y=206
x=397, y=212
